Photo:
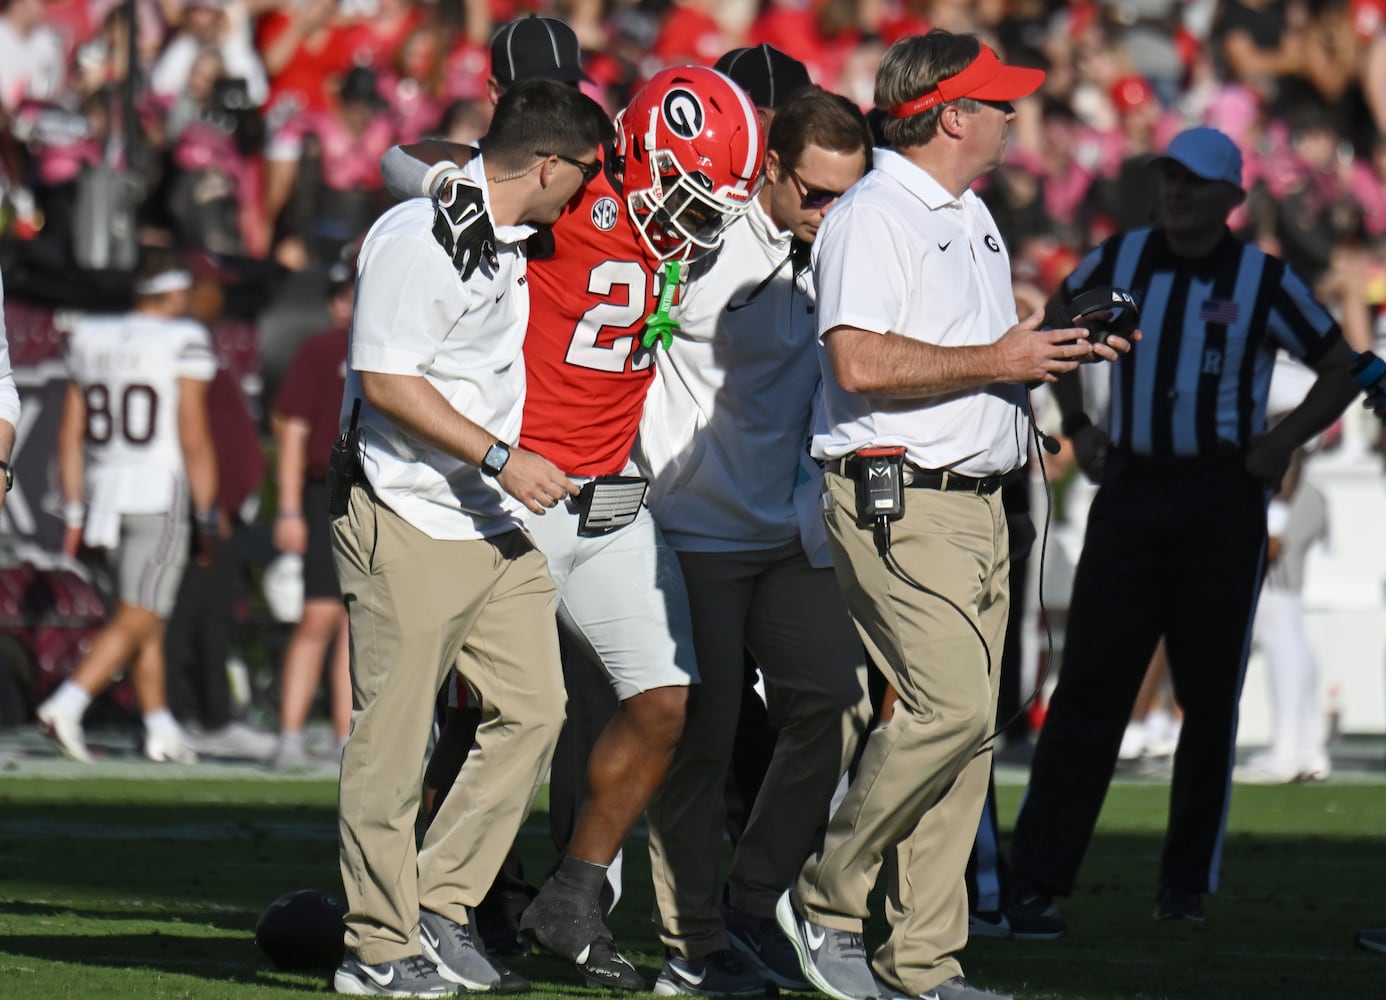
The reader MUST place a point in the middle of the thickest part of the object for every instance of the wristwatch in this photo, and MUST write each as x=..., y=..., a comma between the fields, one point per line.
x=9, y=475
x=496, y=457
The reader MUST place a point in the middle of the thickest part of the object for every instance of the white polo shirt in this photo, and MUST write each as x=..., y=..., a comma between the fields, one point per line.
x=414, y=316
x=899, y=254
x=727, y=416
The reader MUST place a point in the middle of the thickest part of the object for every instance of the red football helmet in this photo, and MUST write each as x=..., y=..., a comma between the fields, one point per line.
x=692, y=154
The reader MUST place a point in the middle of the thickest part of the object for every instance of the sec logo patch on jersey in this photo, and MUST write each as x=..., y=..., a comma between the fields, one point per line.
x=605, y=213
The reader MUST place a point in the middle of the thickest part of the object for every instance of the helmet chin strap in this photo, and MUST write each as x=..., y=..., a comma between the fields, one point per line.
x=659, y=325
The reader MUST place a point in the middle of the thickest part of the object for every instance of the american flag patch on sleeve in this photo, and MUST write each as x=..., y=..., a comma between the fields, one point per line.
x=1223, y=311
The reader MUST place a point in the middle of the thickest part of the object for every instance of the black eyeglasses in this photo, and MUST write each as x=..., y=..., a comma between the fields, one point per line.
x=589, y=170
x=810, y=197
x=1005, y=107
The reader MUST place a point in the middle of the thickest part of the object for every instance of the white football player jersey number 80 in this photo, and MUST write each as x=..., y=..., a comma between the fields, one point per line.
x=583, y=349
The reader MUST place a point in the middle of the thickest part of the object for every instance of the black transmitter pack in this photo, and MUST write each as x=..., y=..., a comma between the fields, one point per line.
x=880, y=484
x=344, y=465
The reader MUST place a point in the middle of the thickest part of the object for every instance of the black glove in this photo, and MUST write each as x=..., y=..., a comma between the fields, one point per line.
x=462, y=227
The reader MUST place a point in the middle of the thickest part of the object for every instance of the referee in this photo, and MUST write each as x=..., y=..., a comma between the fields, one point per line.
x=1176, y=537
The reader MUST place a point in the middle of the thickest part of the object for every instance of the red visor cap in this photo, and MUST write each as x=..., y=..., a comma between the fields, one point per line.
x=986, y=78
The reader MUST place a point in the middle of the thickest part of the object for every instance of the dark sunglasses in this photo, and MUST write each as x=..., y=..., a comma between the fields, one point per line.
x=589, y=170
x=809, y=197
x=1005, y=107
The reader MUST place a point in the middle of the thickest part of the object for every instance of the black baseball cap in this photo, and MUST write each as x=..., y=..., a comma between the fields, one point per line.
x=765, y=73
x=536, y=48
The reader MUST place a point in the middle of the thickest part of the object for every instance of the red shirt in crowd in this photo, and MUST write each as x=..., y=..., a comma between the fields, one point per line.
x=312, y=392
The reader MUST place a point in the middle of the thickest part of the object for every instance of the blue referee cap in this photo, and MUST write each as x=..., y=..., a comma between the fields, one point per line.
x=1208, y=153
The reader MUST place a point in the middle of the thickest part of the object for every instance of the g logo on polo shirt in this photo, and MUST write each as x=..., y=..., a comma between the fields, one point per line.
x=605, y=213
x=991, y=243
x=683, y=113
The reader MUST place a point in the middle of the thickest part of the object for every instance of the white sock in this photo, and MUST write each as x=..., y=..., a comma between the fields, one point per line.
x=161, y=721
x=70, y=699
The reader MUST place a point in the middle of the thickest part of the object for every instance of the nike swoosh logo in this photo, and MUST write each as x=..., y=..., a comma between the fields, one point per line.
x=815, y=937
x=735, y=306
x=428, y=937
x=695, y=980
x=500, y=296
x=379, y=979
x=945, y=246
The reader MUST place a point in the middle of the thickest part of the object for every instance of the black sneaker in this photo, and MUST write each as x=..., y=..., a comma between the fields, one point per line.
x=602, y=966
x=1033, y=916
x=561, y=923
x=959, y=988
x=988, y=924
x=1179, y=904
x=720, y=974
x=412, y=976
x=761, y=942
x=1372, y=938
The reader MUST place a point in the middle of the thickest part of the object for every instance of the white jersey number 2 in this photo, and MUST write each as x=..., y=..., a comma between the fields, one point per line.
x=586, y=349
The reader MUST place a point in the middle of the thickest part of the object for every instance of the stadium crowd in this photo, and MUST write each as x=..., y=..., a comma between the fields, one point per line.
x=245, y=140
x=260, y=124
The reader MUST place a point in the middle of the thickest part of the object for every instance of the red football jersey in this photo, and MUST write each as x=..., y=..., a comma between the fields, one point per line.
x=586, y=373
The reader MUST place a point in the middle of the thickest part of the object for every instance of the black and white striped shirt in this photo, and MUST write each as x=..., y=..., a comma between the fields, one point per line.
x=1198, y=381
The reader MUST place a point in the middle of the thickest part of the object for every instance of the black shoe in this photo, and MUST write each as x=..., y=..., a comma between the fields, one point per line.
x=510, y=980
x=1033, y=916
x=720, y=974
x=1179, y=904
x=561, y=922
x=602, y=966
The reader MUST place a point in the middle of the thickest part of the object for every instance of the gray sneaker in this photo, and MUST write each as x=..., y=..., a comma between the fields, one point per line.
x=720, y=974
x=235, y=740
x=832, y=960
x=411, y=976
x=959, y=988
x=449, y=946
x=761, y=942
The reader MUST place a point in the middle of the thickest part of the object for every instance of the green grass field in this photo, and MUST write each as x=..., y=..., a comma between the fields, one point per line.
x=148, y=884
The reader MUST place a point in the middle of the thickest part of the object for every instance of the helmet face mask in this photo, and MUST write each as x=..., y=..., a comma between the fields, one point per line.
x=693, y=154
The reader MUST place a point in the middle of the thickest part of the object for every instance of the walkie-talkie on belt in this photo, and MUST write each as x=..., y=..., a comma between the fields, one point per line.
x=344, y=465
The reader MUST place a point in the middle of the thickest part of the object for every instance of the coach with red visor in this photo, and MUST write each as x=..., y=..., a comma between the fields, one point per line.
x=925, y=367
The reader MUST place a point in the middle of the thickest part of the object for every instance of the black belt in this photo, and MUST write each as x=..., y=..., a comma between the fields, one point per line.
x=913, y=477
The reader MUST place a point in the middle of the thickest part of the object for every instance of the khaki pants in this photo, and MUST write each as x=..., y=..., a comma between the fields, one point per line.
x=415, y=605
x=795, y=623
x=938, y=633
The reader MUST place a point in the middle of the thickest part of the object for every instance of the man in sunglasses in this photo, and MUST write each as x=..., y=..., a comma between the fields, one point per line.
x=722, y=441
x=924, y=403
x=687, y=162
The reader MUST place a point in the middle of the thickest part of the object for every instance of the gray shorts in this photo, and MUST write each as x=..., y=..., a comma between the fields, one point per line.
x=622, y=597
x=149, y=562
